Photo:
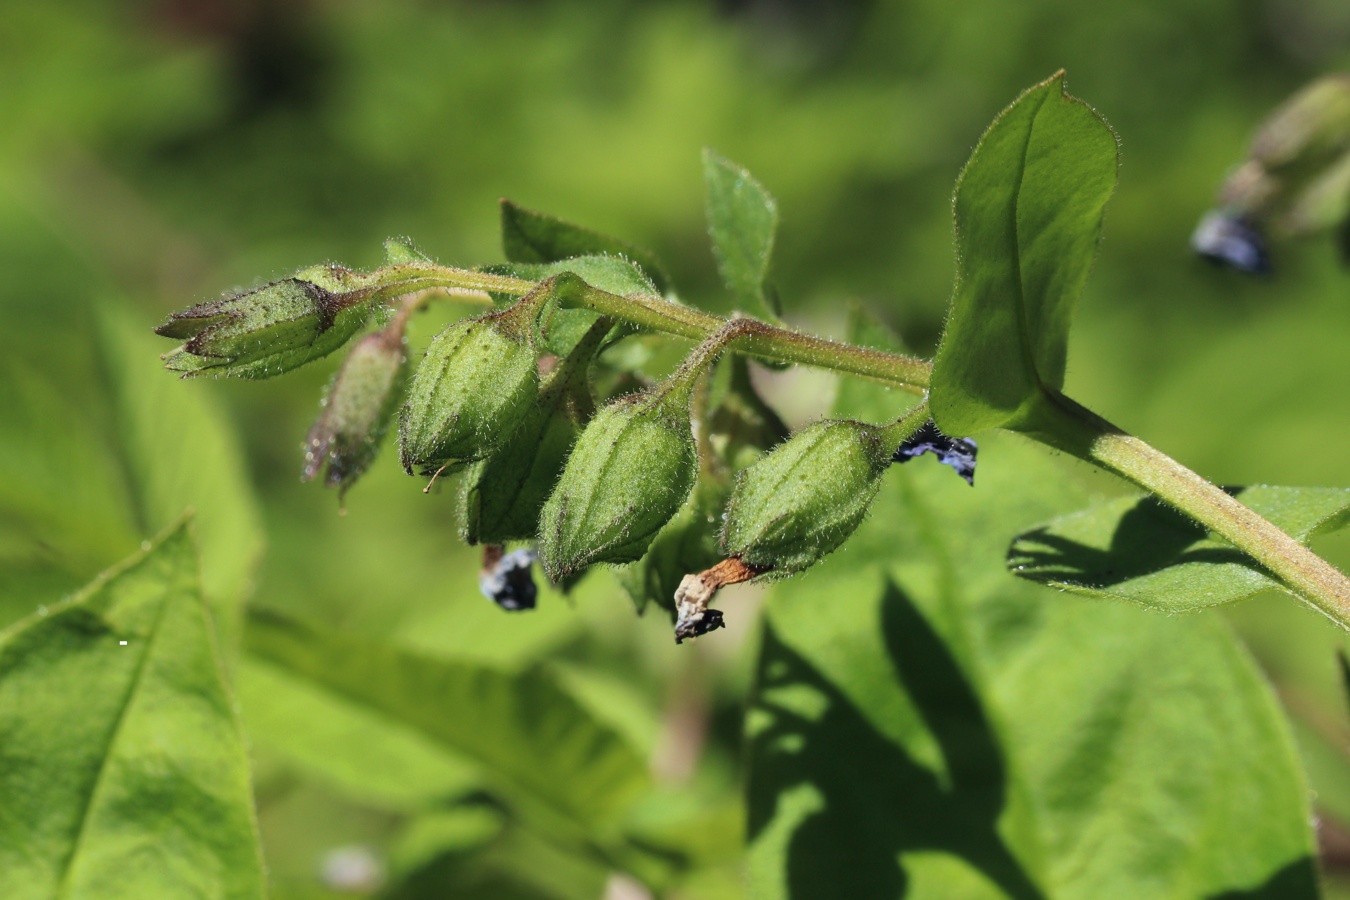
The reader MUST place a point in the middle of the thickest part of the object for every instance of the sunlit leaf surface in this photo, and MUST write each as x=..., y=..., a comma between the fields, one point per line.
x=123, y=771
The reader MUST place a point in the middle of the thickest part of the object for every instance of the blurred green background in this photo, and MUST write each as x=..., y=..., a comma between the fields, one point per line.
x=154, y=154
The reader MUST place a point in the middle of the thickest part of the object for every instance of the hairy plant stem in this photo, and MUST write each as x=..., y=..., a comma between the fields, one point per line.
x=1060, y=423
x=648, y=311
x=765, y=341
x=1071, y=427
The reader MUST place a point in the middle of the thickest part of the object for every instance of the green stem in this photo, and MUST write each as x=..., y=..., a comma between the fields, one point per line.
x=407, y=278
x=1075, y=429
x=1061, y=423
x=762, y=340
x=899, y=431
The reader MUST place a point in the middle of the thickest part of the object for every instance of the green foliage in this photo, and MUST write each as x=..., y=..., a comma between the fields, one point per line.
x=929, y=718
x=136, y=450
x=495, y=720
x=1029, y=208
x=123, y=771
x=938, y=729
x=1138, y=550
x=742, y=222
x=535, y=237
x=357, y=749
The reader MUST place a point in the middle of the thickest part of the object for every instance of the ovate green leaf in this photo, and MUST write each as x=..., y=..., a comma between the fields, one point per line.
x=535, y=237
x=525, y=736
x=742, y=222
x=1137, y=549
x=1029, y=207
x=122, y=768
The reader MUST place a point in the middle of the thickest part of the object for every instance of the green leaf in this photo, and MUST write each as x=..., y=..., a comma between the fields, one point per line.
x=461, y=857
x=401, y=250
x=525, y=736
x=561, y=329
x=1029, y=207
x=366, y=756
x=742, y=222
x=122, y=766
x=535, y=237
x=179, y=450
x=939, y=729
x=136, y=448
x=1138, y=550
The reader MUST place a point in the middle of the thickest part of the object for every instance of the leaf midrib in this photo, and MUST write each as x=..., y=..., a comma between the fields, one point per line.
x=1023, y=322
x=133, y=691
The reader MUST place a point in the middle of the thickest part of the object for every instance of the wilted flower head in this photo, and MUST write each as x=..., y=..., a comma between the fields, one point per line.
x=507, y=578
x=958, y=453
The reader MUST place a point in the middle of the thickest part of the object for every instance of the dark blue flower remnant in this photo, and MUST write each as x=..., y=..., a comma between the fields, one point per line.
x=959, y=453
x=1230, y=240
x=506, y=578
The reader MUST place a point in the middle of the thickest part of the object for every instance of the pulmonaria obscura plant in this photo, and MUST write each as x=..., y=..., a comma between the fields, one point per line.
x=691, y=483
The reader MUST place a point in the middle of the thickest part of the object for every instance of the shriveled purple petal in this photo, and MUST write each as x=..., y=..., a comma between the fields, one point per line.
x=959, y=453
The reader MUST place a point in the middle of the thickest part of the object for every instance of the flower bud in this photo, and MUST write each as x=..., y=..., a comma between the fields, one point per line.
x=273, y=329
x=630, y=472
x=476, y=383
x=357, y=408
x=504, y=493
x=806, y=497
x=1295, y=181
x=1308, y=131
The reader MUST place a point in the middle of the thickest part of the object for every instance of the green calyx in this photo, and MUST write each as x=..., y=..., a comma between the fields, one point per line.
x=273, y=329
x=476, y=384
x=630, y=472
x=806, y=497
x=360, y=402
x=504, y=493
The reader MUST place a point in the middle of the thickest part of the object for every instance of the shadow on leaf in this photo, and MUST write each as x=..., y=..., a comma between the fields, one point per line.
x=873, y=800
x=1298, y=879
x=1148, y=538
